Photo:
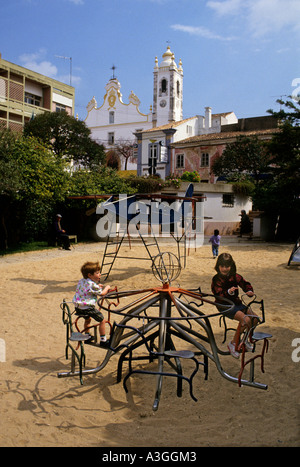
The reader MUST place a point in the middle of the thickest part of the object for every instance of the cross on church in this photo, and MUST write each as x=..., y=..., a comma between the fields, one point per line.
x=113, y=69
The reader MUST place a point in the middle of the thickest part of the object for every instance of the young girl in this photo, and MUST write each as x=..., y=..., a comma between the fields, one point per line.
x=87, y=292
x=215, y=243
x=226, y=284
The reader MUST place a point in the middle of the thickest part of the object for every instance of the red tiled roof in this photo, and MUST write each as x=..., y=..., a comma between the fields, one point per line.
x=224, y=135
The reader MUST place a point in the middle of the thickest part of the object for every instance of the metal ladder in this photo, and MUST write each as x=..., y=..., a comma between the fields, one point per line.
x=110, y=254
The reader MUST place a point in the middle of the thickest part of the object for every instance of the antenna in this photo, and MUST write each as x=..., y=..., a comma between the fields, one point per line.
x=67, y=58
x=281, y=96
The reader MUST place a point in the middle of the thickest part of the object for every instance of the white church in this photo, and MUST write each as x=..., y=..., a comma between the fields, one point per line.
x=115, y=121
x=153, y=137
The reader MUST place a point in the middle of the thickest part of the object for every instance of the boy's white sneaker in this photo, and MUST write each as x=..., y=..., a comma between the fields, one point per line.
x=233, y=352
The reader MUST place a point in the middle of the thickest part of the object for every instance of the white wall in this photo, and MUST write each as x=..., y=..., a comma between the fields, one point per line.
x=127, y=117
x=223, y=218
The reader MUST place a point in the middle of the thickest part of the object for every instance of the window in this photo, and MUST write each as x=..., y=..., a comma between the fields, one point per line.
x=228, y=200
x=163, y=87
x=32, y=99
x=111, y=117
x=60, y=108
x=179, y=161
x=205, y=160
x=111, y=138
x=178, y=88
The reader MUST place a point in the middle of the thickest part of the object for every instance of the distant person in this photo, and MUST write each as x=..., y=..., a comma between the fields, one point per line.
x=245, y=225
x=61, y=233
x=215, y=243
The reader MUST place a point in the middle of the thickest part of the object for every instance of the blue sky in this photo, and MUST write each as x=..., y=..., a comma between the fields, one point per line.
x=237, y=55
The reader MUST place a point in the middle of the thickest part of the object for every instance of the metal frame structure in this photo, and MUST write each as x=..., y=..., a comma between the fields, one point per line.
x=114, y=241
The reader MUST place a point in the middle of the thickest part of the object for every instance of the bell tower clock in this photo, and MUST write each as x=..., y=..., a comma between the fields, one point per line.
x=167, y=90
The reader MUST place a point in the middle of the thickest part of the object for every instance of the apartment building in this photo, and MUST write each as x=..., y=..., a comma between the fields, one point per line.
x=25, y=94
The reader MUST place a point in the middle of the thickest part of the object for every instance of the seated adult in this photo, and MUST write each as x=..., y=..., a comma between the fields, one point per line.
x=245, y=225
x=61, y=233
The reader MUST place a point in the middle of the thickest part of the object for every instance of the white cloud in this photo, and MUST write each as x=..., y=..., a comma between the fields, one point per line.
x=77, y=2
x=262, y=16
x=226, y=7
x=283, y=50
x=44, y=68
x=267, y=16
x=36, y=62
x=75, y=80
x=200, y=31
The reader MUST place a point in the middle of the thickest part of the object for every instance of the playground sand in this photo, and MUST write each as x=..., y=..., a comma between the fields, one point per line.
x=39, y=409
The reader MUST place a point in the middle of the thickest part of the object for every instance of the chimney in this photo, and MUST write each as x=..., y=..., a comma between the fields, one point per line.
x=207, y=118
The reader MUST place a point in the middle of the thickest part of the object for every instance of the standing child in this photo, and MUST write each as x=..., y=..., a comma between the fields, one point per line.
x=87, y=292
x=215, y=243
x=226, y=284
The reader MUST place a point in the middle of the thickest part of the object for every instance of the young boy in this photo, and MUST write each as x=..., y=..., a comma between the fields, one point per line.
x=87, y=292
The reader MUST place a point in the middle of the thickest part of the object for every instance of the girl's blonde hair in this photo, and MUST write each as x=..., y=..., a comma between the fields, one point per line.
x=89, y=268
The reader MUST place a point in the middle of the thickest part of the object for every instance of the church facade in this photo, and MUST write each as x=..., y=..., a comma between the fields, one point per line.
x=116, y=122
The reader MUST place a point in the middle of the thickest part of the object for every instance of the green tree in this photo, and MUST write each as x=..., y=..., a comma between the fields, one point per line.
x=10, y=174
x=44, y=175
x=97, y=182
x=290, y=115
x=280, y=194
x=10, y=182
x=244, y=159
x=68, y=137
x=33, y=180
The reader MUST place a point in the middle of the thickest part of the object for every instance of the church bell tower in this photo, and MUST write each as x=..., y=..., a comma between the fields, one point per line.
x=167, y=90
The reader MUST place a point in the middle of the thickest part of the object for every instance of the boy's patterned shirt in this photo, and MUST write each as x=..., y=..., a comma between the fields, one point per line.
x=86, y=294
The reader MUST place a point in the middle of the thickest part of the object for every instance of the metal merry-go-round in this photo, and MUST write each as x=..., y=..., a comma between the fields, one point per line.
x=153, y=322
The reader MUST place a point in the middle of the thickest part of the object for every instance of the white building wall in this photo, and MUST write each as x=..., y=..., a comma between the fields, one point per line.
x=186, y=130
x=224, y=218
x=219, y=212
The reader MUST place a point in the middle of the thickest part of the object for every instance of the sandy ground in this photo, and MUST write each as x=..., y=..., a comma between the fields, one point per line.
x=39, y=409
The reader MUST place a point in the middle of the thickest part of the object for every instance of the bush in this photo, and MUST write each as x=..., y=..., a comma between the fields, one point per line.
x=244, y=187
x=145, y=184
x=173, y=180
x=190, y=176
